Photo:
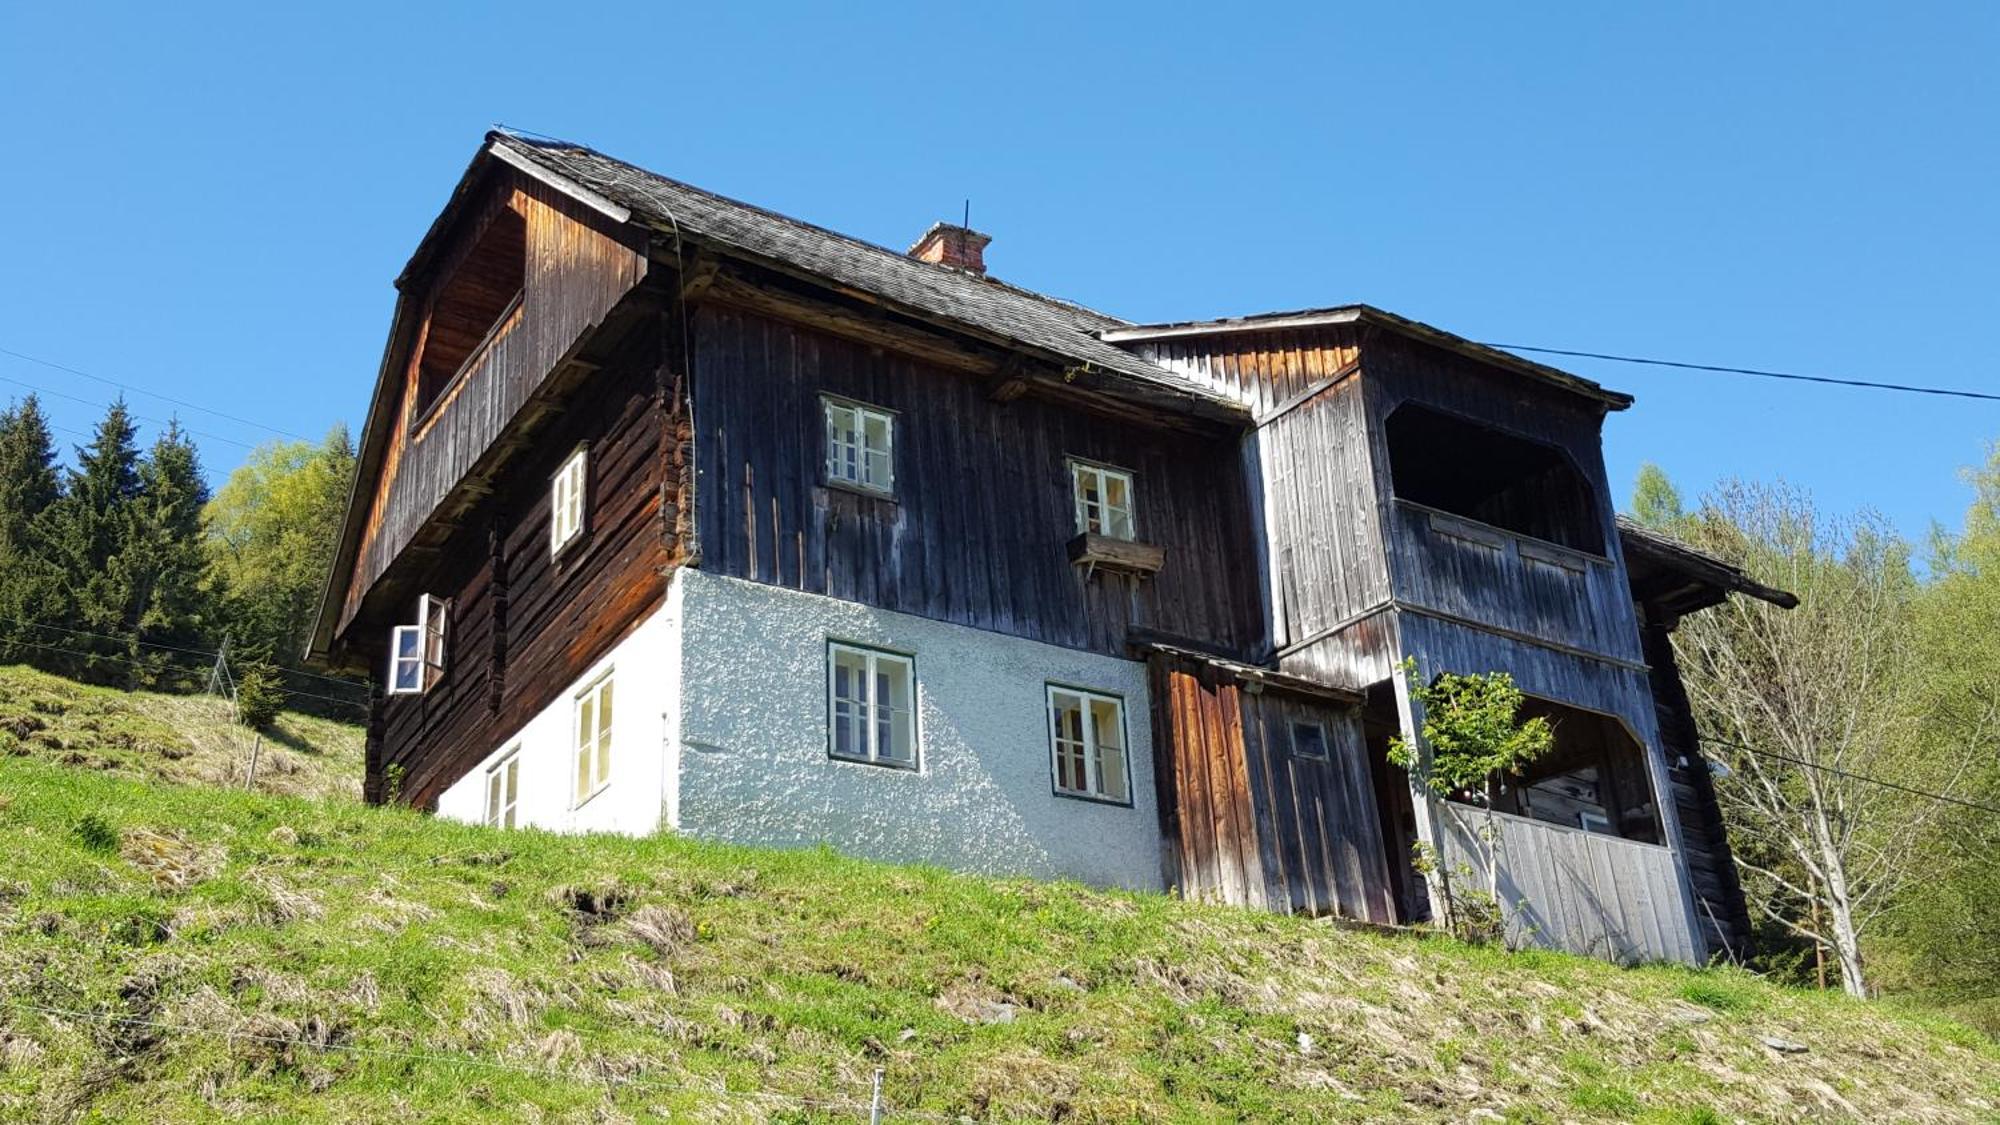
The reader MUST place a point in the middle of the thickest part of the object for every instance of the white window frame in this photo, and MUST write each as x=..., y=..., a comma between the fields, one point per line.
x=569, y=500
x=503, y=789
x=1093, y=789
x=849, y=459
x=591, y=758
x=1111, y=516
x=871, y=707
x=1325, y=753
x=433, y=615
x=413, y=659
x=1595, y=822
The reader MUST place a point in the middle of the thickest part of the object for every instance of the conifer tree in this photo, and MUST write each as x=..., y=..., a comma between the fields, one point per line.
x=164, y=564
x=88, y=530
x=30, y=593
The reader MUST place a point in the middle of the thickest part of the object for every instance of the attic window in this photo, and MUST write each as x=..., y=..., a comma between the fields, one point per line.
x=470, y=305
x=1493, y=477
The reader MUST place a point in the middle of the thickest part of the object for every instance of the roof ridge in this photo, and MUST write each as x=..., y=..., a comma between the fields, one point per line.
x=541, y=142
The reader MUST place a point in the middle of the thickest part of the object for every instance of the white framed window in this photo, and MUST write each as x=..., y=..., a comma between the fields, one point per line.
x=1595, y=822
x=503, y=788
x=860, y=446
x=1103, y=500
x=871, y=706
x=433, y=614
x=568, y=494
x=593, y=738
x=1087, y=745
x=1308, y=739
x=406, y=660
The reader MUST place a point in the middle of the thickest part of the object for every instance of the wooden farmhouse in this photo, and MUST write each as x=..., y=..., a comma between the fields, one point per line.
x=677, y=514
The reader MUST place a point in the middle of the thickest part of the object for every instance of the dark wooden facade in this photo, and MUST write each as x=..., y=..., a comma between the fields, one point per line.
x=977, y=532
x=1249, y=819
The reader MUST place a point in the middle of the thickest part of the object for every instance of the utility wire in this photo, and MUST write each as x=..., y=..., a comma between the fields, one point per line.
x=1909, y=388
x=51, y=364
x=1852, y=775
x=138, y=417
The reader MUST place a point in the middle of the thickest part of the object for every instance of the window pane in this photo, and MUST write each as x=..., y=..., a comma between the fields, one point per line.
x=1066, y=716
x=1111, y=772
x=406, y=642
x=604, y=729
x=1309, y=740
x=878, y=475
x=493, y=788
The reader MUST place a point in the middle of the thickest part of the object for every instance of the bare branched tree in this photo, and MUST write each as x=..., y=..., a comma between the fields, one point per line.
x=1804, y=707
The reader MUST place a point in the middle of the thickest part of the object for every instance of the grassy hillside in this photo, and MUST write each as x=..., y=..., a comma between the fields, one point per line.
x=178, y=738
x=179, y=953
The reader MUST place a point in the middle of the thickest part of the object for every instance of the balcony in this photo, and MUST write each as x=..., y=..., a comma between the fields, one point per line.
x=1499, y=579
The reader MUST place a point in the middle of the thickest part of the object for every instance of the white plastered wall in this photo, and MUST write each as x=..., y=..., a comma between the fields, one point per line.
x=753, y=741
x=645, y=667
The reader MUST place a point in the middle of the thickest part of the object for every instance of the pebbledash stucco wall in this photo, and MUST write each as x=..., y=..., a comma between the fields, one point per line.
x=753, y=741
x=646, y=671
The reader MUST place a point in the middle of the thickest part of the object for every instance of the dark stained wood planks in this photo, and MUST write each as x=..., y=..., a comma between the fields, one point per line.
x=1251, y=821
x=978, y=530
x=576, y=271
x=547, y=620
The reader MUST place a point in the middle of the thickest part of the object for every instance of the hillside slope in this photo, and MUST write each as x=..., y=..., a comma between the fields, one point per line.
x=179, y=953
x=178, y=738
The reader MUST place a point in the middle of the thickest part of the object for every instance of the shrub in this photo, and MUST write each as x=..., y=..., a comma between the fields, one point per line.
x=258, y=697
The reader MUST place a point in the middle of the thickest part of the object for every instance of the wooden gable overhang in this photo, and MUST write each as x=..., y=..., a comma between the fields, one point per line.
x=1673, y=579
x=420, y=465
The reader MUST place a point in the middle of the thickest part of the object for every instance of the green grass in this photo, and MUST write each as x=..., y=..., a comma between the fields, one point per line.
x=186, y=739
x=180, y=953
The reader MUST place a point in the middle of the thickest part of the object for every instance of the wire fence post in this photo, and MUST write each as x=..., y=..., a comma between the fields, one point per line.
x=875, y=1100
x=250, y=780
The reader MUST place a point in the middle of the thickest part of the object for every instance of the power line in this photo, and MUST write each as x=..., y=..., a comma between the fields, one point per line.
x=1910, y=388
x=51, y=364
x=1838, y=772
x=139, y=417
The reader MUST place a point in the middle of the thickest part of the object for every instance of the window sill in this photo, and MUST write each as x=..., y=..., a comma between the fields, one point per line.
x=1091, y=799
x=1129, y=556
x=590, y=796
x=899, y=767
x=862, y=490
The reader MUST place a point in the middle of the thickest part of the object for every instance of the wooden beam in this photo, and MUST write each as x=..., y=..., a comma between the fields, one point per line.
x=868, y=328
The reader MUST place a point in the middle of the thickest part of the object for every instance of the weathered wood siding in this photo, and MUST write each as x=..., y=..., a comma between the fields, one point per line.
x=1721, y=910
x=576, y=270
x=524, y=625
x=1322, y=524
x=1576, y=890
x=1261, y=369
x=1493, y=577
x=1249, y=821
x=977, y=531
x=1484, y=574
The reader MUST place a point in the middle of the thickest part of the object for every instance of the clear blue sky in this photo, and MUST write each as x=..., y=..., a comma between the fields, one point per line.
x=212, y=201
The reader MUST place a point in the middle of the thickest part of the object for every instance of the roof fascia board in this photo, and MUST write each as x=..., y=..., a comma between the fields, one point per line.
x=616, y=212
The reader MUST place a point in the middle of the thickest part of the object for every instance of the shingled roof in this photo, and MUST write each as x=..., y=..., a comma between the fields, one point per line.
x=1011, y=314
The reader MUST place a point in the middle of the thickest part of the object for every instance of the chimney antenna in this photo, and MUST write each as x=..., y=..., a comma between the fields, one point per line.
x=967, y=221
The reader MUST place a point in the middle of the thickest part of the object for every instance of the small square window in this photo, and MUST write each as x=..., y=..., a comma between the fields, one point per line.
x=593, y=739
x=503, y=788
x=568, y=492
x=1103, y=500
x=1309, y=740
x=1087, y=745
x=860, y=446
x=871, y=706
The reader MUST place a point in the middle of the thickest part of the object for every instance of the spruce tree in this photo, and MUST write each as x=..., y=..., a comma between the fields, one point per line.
x=88, y=530
x=164, y=564
x=30, y=593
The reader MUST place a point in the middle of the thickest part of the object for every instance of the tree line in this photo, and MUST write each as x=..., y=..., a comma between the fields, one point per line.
x=1857, y=736
x=121, y=568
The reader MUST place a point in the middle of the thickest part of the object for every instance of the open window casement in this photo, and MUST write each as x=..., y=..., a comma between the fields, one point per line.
x=432, y=616
x=416, y=652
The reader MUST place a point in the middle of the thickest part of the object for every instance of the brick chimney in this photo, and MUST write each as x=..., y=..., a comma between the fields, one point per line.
x=947, y=244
